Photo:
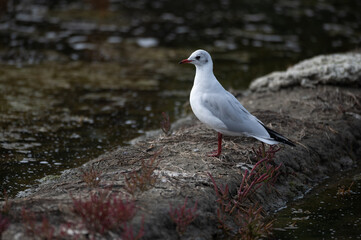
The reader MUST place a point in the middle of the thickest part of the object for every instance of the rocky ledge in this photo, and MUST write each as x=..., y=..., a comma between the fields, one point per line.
x=324, y=121
x=334, y=69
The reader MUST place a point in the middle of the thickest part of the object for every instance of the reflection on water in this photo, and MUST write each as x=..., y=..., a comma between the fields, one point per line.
x=325, y=214
x=78, y=78
x=58, y=116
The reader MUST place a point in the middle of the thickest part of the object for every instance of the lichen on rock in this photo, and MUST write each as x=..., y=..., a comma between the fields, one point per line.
x=333, y=69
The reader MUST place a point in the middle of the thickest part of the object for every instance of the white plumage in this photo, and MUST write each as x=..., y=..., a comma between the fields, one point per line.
x=220, y=110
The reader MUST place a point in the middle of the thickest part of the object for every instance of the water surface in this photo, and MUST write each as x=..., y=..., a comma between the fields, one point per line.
x=78, y=78
x=325, y=213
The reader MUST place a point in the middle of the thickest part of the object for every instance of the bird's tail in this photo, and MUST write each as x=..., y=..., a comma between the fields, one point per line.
x=278, y=137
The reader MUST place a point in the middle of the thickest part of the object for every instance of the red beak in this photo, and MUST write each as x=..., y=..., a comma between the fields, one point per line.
x=185, y=61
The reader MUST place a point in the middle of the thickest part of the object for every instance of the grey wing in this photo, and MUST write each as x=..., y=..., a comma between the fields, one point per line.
x=235, y=117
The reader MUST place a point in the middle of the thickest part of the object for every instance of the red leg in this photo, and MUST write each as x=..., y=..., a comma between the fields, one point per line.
x=219, y=150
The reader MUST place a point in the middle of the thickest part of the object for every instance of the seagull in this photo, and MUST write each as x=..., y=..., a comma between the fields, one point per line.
x=220, y=110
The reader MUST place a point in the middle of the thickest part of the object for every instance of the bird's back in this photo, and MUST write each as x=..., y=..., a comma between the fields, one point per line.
x=220, y=110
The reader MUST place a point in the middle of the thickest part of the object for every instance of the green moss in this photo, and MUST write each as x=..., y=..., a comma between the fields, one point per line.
x=50, y=178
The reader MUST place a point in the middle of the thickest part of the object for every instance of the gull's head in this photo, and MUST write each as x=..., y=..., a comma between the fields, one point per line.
x=199, y=58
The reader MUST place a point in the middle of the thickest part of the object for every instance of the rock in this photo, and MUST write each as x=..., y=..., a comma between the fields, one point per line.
x=328, y=140
x=323, y=135
x=334, y=69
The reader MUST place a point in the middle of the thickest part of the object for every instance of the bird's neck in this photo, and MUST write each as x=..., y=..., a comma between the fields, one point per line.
x=204, y=76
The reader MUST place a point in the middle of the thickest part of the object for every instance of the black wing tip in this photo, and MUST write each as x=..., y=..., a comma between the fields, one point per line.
x=279, y=138
x=289, y=142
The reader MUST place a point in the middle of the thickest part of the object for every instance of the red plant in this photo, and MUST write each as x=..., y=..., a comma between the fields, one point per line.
x=4, y=224
x=91, y=177
x=165, y=123
x=237, y=208
x=128, y=233
x=342, y=191
x=182, y=216
x=104, y=211
x=29, y=221
x=252, y=222
x=265, y=164
x=5, y=210
x=44, y=231
x=143, y=178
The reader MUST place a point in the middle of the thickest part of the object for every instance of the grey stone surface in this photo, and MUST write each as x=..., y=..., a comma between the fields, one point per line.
x=335, y=69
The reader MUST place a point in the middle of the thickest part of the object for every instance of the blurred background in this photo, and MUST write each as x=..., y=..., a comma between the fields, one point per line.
x=80, y=77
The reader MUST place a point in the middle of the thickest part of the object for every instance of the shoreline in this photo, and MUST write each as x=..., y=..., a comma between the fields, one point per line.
x=328, y=137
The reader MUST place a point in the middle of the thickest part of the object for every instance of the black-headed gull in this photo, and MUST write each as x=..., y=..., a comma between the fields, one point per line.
x=220, y=110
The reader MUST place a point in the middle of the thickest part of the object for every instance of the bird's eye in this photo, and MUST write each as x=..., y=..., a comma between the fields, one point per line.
x=198, y=57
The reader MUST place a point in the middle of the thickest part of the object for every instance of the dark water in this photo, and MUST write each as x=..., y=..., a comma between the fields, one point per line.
x=324, y=213
x=78, y=78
